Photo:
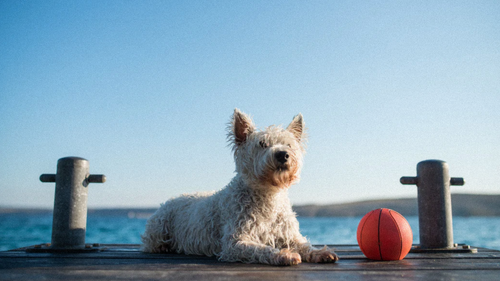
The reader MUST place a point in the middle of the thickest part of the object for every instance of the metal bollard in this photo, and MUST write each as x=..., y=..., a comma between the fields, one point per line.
x=69, y=222
x=434, y=203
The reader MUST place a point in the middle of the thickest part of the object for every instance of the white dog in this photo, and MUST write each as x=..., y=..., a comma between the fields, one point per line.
x=251, y=219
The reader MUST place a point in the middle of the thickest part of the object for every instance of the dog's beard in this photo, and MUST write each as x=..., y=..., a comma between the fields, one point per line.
x=281, y=176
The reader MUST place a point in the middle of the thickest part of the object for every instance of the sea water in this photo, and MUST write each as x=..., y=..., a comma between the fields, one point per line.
x=21, y=230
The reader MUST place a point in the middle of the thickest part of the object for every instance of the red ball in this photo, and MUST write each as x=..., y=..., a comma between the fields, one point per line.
x=384, y=234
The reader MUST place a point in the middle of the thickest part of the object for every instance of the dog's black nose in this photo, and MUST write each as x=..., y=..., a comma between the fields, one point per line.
x=282, y=156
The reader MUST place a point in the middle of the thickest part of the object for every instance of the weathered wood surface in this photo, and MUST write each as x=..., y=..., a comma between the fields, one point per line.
x=125, y=262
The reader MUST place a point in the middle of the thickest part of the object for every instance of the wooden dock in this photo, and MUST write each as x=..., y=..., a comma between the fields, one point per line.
x=125, y=262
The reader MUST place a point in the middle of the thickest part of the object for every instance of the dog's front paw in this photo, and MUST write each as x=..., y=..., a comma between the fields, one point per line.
x=324, y=255
x=285, y=257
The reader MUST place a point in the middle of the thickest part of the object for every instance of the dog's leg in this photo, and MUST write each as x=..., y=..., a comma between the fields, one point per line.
x=252, y=252
x=308, y=253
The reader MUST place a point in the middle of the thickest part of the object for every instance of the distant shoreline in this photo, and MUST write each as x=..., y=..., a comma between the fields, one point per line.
x=465, y=205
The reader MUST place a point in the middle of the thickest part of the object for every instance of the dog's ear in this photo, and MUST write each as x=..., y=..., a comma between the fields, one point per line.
x=297, y=127
x=241, y=126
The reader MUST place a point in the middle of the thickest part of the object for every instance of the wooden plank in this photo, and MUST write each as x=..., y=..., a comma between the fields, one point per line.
x=132, y=251
x=210, y=264
x=125, y=262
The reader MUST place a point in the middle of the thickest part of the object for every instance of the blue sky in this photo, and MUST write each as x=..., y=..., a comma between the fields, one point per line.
x=144, y=91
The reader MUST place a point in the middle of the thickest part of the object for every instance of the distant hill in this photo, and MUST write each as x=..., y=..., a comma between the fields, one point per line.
x=462, y=205
x=465, y=205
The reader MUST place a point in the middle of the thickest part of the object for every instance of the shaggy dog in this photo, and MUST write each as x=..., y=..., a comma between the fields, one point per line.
x=251, y=219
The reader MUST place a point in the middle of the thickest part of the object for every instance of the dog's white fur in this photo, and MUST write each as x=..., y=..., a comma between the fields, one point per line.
x=251, y=219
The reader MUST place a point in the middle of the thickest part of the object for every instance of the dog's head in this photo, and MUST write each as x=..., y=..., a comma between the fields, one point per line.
x=269, y=158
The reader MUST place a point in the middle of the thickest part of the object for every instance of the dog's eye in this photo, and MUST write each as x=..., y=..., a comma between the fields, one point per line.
x=263, y=144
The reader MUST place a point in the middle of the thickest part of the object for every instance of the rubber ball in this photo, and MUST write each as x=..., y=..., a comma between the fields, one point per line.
x=384, y=234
